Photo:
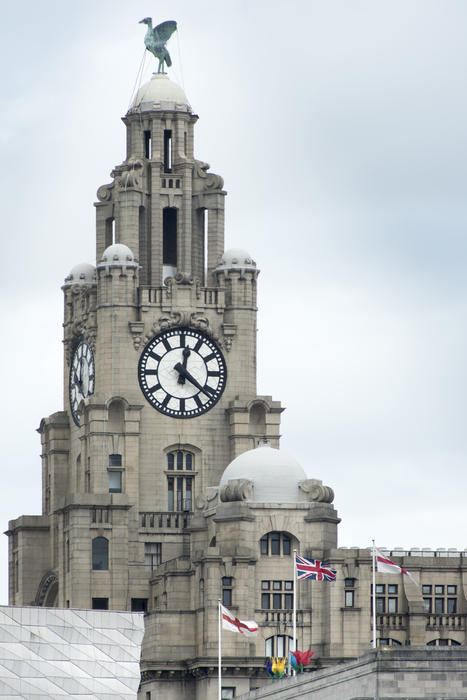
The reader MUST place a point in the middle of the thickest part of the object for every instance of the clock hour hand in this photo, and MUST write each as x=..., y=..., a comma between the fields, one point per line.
x=186, y=354
x=184, y=372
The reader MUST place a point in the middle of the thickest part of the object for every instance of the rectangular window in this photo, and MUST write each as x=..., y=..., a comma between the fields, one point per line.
x=392, y=588
x=349, y=599
x=452, y=605
x=170, y=485
x=439, y=605
x=426, y=590
x=115, y=460
x=276, y=601
x=380, y=588
x=288, y=585
x=227, y=693
x=285, y=544
x=277, y=585
x=275, y=543
x=179, y=493
x=265, y=601
x=451, y=590
x=115, y=481
x=265, y=585
x=179, y=460
x=167, y=150
x=264, y=545
x=349, y=582
x=427, y=604
x=139, y=605
x=380, y=605
x=227, y=597
x=288, y=601
x=170, y=461
x=100, y=603
x=392, y=606
x=188, y=493
x=281, y=646
x=439, y=590
x=147, y=144
x=152, y=555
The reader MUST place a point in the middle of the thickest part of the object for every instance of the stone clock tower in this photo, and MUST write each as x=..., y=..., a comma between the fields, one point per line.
x=159, y=375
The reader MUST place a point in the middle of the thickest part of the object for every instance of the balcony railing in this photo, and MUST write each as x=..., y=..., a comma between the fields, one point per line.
x=164, y=520
x=393, y=622
x=452, y=622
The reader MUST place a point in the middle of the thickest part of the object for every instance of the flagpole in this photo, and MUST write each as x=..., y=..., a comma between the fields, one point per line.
x=219, y=636
x=294, y=614
x=373, y=556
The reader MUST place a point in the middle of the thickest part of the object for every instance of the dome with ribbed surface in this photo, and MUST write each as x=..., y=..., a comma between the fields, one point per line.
x=84, y=273
x=275, y=475
x=235, y=258
x=118, y=254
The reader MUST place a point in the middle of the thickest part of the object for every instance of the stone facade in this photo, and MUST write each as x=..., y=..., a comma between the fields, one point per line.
x=413, y=674
x=148, y=511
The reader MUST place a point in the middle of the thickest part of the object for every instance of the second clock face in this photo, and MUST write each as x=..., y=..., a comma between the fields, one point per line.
x=81, y=376
x=182, y=373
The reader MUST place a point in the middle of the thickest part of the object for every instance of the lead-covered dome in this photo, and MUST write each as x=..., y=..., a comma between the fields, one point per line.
x=84, y=273
x=160, y=93
x=118, y=254
x=235, y=258
x=275, y=475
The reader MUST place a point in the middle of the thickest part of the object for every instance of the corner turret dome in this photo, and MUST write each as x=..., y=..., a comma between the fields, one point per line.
x=160, y=94
x=118, y=254
x=235, y=258
x=275, y=475
x=84, y=273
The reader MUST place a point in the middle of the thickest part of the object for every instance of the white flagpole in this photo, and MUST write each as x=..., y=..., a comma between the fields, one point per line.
x=219, y=625
x=374, y=593
x=294, y=615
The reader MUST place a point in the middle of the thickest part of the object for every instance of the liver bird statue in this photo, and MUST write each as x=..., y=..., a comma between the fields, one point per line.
x=156, y=39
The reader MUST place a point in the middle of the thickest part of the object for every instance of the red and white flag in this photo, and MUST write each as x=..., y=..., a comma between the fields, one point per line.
x=229, y=622
x=385, y=566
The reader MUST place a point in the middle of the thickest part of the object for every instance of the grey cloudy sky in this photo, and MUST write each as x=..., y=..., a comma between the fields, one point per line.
x=339, y=128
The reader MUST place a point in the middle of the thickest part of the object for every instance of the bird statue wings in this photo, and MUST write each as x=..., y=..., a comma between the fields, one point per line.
x=156, y=39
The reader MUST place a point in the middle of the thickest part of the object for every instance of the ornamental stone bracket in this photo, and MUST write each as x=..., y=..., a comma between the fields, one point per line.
x=136, y=329
x=229, y=331
x=236, y=490
x=316, y=491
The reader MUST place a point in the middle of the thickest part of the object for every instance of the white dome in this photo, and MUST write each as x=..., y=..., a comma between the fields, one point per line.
x=118, y=254
x=84, y=273
x=160, y=93
x=235, y=258
x=275, y=475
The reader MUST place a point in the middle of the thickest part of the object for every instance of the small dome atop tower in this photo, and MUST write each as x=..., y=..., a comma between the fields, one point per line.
x=235, y=258
x=84, y=273
x=160, y=94
x=118, y=254
x=275, y=475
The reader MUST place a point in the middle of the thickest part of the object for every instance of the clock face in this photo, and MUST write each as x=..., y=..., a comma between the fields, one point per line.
x=182, y=373
x=81, y=376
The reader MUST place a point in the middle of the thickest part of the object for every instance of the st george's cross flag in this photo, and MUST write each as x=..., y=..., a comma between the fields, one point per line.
x=385, y=566
x=229, y=622
x=314, y=569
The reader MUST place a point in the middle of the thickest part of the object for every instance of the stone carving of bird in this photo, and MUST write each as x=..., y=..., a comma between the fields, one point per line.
x=156, y=39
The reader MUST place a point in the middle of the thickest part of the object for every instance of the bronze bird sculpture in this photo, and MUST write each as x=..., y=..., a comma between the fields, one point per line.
x=156, y=39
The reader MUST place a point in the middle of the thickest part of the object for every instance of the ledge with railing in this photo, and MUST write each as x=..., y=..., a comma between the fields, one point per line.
x=167, y=520
x=393, y=622
x=452, y=622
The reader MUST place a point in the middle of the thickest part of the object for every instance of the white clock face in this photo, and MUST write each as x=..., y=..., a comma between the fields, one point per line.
x=182, y=373
x=81, y=377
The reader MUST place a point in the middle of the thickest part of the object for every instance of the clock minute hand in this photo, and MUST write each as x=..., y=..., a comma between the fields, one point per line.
x=184, y=372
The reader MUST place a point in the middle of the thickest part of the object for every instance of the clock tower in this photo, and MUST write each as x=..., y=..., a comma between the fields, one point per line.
x=159, y=375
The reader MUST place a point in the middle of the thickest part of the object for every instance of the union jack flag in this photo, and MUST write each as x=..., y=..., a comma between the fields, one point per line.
x=314, y=569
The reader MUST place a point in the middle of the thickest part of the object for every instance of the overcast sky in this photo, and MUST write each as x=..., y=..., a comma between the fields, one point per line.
x=339, y=127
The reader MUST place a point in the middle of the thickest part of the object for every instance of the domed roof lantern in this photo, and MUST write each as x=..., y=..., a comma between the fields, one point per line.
x=83, y=273
x=236, y=258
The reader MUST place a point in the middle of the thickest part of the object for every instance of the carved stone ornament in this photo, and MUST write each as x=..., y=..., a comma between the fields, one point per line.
x=207, y=498
x=136, y=329
x=104, y=193
x=129, y=173
x=236, y=490
x=316, y=491
x=204, y=181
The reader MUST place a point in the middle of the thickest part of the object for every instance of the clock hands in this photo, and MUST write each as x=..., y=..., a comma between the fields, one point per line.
x=186, y=375
x=186, y=354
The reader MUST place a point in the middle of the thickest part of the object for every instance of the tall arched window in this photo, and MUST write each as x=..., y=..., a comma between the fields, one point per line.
x=100, y=554
x=278, y=645
x=180, y=488
x=275, y=543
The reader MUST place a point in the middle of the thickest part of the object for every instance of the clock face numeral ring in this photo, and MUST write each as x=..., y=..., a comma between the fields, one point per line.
x=82, y=374
x=182, y=373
